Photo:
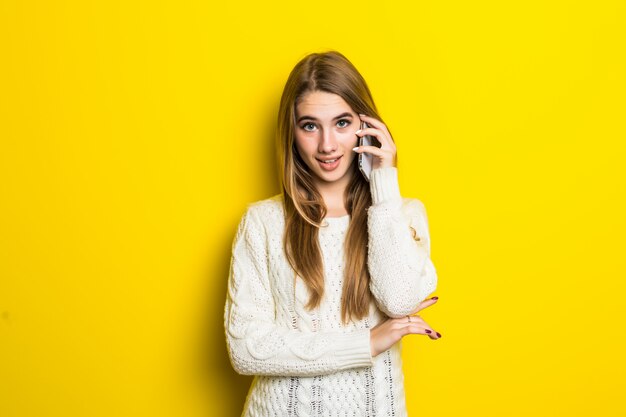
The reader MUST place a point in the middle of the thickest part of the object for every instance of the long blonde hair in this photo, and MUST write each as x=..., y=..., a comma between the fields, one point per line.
x=304, y=207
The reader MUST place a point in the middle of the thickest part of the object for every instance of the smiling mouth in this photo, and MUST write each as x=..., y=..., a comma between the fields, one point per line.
x=329, y=161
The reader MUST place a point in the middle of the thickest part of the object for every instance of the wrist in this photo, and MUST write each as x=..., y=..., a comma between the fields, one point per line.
x=384, y=185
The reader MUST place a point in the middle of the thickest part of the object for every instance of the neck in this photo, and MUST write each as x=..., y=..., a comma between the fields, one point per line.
x=333, y=195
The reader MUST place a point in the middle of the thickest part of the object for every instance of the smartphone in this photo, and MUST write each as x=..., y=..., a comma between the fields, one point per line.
x=366, y=159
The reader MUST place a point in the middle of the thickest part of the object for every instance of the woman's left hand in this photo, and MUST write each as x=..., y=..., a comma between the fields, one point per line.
x=385, y=156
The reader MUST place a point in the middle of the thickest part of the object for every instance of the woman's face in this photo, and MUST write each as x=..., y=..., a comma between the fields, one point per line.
x=325, y=135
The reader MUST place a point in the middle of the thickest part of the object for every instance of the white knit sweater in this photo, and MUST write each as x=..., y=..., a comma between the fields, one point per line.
x=307, y=363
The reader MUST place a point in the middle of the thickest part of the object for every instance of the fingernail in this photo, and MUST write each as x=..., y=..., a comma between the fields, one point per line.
x=355, y=149
x=438, y=334
x=358, y=131
x=427, y=331
x=361, y=114
x=435, y=298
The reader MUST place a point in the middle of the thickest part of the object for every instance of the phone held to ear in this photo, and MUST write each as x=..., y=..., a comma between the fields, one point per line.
x=366, y=159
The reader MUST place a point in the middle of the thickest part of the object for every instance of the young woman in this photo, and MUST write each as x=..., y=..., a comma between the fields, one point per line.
x=326, y=277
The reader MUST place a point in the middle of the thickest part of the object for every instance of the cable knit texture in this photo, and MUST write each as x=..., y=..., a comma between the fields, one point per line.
x=307, y=363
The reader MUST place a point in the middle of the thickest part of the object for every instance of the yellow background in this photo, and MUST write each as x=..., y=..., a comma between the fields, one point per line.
x=133, y=134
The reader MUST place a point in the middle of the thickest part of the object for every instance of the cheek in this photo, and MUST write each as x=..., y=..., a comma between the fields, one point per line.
x=304, y=143
x=302, y=146
x=350, y=141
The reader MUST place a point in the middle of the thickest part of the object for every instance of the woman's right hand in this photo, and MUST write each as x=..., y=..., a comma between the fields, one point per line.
x=388, y=332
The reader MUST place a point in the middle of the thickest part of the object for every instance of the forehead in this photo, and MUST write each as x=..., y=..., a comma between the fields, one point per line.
x=322, y=105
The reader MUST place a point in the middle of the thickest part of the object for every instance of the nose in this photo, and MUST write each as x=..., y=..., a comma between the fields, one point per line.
x=328, y=142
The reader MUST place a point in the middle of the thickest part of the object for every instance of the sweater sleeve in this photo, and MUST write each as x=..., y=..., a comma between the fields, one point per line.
x=257, y=344
x=402, y=274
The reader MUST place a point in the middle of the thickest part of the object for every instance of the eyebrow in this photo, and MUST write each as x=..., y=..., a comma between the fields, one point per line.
x=301, y=118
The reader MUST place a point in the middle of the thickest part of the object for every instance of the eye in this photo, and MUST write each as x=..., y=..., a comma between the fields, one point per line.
x=344, y=120
x=304, y=126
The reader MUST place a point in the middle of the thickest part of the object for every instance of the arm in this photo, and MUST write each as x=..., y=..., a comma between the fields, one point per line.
x=402, y=274
x=257, y=345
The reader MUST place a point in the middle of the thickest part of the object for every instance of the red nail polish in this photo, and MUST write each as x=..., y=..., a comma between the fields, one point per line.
x=435, y=298
x=427, y=331
x=438, y=334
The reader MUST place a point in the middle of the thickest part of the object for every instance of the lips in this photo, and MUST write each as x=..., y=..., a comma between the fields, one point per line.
x=328, y=164
x=329, y=159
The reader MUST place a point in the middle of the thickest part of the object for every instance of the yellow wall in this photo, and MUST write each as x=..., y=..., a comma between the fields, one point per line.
x=133, y=134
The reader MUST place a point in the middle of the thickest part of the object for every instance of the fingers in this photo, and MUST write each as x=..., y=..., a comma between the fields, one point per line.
x=382, y=137
x=425, y=327
x=386, y=154
x=370, y=149
x=382, y=157
x=378, y=125
x=425, y=303
x=417, y=318
x=390, y=331
x=416, y=325
x=417, y=329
